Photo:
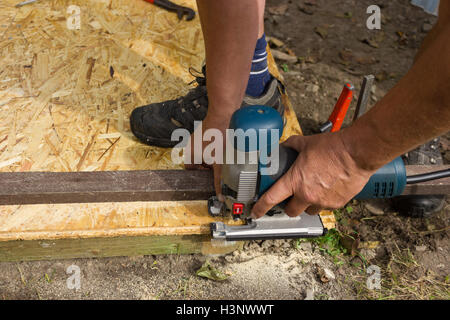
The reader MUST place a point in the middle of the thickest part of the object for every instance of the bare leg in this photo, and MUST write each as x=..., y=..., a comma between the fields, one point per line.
x=230, y=29
x=261, y=4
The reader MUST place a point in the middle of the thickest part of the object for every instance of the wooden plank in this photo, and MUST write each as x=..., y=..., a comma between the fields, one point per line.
x=112, y=247
x=128, y=186
x=105, y=186
x=440, y=186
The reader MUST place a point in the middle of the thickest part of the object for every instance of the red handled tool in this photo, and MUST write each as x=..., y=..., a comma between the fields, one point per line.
x=337, y=117
x=170, y=6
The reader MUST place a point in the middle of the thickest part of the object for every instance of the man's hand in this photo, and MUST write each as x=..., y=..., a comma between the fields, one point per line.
x=323, y=176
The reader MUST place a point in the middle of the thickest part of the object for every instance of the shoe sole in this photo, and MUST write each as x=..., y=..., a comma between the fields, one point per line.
x=153, y=142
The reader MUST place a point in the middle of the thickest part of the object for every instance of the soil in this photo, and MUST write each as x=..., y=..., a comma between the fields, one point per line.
x=331, y=39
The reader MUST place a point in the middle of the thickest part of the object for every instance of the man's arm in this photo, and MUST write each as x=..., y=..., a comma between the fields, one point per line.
x=333, y=168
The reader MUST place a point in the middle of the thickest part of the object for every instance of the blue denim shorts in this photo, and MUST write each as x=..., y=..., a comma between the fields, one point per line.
x=430, y=6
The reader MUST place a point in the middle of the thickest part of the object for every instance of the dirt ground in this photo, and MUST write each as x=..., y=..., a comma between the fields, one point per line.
x=334, y=46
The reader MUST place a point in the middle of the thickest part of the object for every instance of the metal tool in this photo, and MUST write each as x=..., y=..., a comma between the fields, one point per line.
x=170, y=6
x=243, y=184
x=337, y=117
x=364, y=95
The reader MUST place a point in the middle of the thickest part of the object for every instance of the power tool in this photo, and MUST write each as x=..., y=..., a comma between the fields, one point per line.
x=243, y=183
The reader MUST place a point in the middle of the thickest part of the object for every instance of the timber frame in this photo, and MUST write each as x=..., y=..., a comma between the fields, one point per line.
x=144, y=185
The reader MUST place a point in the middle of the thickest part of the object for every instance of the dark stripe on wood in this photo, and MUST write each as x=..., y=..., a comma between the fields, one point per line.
x=105, y=186
x=129, y=186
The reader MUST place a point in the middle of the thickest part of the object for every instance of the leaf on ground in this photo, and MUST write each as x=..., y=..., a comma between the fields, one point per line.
x=279, y=55
x=305, y=9
x=366, y=60
x=374, y=41
x=346, y=55
x=369, y=244
x=275, y=42
x=351, y=243
x=278, y=10
x=208, y=271
x=322, y=31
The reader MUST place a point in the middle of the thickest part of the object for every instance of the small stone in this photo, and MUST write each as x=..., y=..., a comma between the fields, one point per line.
x=369, y=254
x=266, y=244
x=145, y=266
x=286, y=244
x=326, y=275
x=314, y=88
x=278, y=243
x=374, y=208
x=426, y=27
x=447, y=156
x=229, y=258
x=306, y=246
x=421, y=248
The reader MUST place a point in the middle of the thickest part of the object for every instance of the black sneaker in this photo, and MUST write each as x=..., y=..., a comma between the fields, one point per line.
x=153, y=124
x=421, y=206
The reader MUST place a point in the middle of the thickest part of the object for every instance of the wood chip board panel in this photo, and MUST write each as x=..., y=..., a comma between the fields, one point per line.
x=65, y=99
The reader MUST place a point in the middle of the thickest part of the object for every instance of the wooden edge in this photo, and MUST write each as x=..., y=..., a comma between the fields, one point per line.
x=112, y=247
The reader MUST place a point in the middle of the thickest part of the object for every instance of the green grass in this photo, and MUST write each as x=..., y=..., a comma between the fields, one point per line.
x=329, y=244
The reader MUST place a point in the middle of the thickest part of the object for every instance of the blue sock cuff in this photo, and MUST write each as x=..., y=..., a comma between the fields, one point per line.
x=259, y=75
x=261, y=44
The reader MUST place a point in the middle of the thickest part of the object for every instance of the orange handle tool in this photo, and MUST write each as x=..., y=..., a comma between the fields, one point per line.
x=340, y=109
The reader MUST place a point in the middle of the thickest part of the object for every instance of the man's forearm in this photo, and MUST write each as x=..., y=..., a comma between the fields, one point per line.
x=414, y=111
x=230, y=29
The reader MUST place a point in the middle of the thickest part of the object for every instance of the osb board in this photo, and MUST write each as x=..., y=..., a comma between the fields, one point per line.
x=66, y=95
x=65, y=98
x=68, y=221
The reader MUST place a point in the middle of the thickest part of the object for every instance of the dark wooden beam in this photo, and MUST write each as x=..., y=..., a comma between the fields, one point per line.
x=128, y=186
x=105, y=186
x=441, y=186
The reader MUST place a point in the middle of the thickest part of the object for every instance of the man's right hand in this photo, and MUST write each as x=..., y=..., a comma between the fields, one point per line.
x=324, y=176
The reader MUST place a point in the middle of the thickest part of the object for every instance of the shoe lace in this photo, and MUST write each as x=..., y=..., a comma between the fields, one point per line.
x=192, y=99
x=200, y=77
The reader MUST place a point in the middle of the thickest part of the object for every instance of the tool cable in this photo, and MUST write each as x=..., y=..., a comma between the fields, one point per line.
x=428, y=176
